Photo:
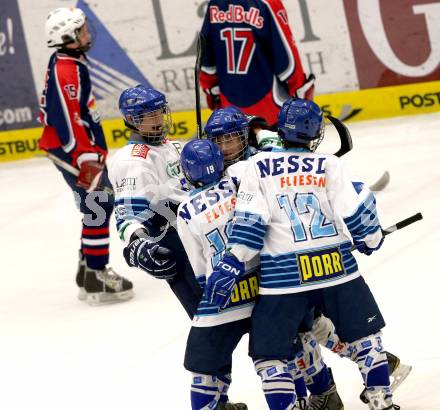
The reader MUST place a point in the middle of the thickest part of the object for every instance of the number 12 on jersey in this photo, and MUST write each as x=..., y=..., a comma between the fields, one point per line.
x=306, y=204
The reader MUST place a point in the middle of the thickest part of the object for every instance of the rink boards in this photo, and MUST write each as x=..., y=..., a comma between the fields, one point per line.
x=349, y=106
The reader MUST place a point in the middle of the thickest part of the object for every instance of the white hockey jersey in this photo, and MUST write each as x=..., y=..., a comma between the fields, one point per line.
x=203, y=221
x=148, y=185
x=300, y=210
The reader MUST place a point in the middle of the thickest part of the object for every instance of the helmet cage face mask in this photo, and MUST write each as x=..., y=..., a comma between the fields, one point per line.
x=227, y=142
x=154, y=126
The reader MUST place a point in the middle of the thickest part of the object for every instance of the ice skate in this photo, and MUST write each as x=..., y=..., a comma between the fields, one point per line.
x=398, y=373
x=232, y=406
x=301, y=403
x=105, y=286
x=378, y=400
x=329, y=400
x=80, y=274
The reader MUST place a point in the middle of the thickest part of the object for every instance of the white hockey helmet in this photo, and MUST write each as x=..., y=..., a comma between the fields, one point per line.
x=63, y=25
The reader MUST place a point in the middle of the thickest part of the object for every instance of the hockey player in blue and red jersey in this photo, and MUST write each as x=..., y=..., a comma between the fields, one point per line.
x=72, y=132
x=299, y=211
x=250, y=59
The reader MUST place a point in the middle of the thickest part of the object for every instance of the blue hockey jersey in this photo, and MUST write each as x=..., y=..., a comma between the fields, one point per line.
x=251, y=55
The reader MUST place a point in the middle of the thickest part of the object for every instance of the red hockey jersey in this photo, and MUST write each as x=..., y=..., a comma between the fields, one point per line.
x=68, y=108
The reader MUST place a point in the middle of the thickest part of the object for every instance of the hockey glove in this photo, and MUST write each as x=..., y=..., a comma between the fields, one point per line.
x=152, y=258
x=213, y=97
x=91, y=167
x=267, y=140
x=363, y=248
x=307, y=90
x=221, y=283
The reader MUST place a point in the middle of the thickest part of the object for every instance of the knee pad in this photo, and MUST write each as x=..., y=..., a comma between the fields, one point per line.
x=324, y=331
x=270, y=369
x=309, y=359
x=372, y=361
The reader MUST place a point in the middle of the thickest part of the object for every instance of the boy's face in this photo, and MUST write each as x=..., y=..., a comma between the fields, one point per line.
x=84, y=39
x=152, y=123
x=231, y=146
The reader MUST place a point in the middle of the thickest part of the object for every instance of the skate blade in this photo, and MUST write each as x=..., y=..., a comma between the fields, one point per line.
x=103, y=298
x=82, y=294
x=399, y=375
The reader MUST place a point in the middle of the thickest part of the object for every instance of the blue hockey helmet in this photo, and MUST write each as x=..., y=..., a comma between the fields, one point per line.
x=202, y=162
x=301, y=121
x=228, y=127
x=146, y=111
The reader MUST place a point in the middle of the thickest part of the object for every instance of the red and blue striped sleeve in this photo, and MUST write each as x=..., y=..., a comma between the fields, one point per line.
x=287, y=62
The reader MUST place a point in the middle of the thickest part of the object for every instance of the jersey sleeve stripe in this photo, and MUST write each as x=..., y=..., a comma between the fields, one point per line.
x=71, y=143
x=291, y=66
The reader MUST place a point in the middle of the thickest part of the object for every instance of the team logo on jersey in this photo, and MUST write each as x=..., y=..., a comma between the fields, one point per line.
x=139, y=150
x=126, y=184
x=173, y=169
x=236, y=14
x=111, y=69
x=245, y=291
x=321, y=265
x=120, y=211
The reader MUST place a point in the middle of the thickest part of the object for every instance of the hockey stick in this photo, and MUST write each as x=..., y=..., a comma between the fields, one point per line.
x=402, y=224
x=344, y=136
x=74, y=171
x=197, y=68
x=347, y=146
x=399, y=225
x=381, y=183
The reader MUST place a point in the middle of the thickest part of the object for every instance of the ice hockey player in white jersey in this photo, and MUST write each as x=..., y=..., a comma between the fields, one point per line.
x=323, y=329
x=300, y=212
x=204, y=235
x=149, y=186
x=202, y=225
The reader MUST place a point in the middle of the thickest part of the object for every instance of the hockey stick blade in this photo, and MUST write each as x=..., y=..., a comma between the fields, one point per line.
x=381, y=183
x=399, y=225
x=344, y=136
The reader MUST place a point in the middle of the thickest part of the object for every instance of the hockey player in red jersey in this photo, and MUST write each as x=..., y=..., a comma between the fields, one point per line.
x=73, y=133
x=250, y=59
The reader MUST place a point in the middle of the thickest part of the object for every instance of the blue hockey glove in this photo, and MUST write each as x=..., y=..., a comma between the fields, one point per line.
x=221, y=283
x=152, y=258
x=363, y=248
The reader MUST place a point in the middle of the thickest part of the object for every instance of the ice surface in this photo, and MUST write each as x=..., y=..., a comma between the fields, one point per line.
x=58, y=353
